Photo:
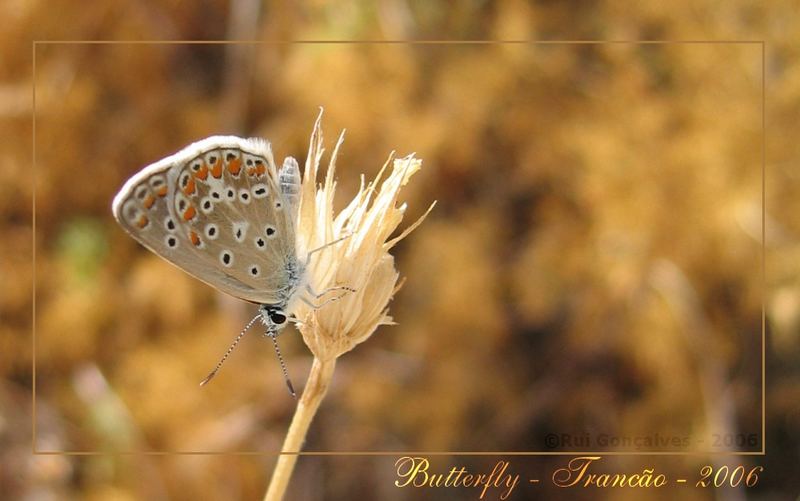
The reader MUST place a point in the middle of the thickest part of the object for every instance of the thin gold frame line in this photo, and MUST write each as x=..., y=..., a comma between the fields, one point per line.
x=396, y=453
x=33, y=247
x=399, y=42
x=763, y=249
x=440, y=42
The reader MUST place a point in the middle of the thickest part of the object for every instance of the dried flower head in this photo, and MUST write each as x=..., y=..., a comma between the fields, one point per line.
x=358, y=260
x=361, y=261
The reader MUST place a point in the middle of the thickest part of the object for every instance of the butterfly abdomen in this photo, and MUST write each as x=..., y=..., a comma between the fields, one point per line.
x=289, y=181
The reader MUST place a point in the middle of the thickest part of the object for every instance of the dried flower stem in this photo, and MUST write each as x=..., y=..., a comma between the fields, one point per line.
x=318, y=381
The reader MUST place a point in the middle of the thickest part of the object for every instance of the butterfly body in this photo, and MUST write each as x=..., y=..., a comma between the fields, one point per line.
x=221, y=210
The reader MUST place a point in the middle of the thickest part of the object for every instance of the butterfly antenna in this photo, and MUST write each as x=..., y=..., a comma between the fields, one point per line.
x=230, y=349
x=273, y=336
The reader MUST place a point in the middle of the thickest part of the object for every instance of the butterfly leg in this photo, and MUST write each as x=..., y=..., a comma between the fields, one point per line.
x=320, y=305
x=317, y=295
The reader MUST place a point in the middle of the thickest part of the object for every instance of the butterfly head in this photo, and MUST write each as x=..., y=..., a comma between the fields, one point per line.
x=274, y=317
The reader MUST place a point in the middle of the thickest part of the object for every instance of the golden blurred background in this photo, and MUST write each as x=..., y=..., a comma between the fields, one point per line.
x=592, y=267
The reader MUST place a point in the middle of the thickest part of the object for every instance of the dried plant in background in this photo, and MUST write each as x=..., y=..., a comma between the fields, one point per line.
x=362, y=262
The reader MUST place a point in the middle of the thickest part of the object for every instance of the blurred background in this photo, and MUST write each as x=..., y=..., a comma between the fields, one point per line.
x=592, y=270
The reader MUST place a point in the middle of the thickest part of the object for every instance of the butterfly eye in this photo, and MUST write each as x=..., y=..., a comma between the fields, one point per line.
x=277, y=317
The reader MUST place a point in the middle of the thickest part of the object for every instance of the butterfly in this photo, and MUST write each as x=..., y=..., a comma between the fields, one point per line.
x=222, y=211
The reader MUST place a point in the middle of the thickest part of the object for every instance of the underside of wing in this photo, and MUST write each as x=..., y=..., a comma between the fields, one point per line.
x=215, y=210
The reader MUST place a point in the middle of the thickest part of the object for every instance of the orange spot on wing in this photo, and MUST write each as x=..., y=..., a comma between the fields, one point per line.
x=142, y=222
x=202, y=173
x=149, y=201
x=162, y=192
x=194, y=238
x=216, y=169
x=189, y=188
x=251, y=171
x=189, y=213
x=234, y=166
x=261, y=169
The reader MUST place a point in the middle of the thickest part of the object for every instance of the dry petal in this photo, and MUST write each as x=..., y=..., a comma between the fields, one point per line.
x=361, y=261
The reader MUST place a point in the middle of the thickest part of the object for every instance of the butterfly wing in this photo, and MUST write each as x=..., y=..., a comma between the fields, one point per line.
x=217, y=210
